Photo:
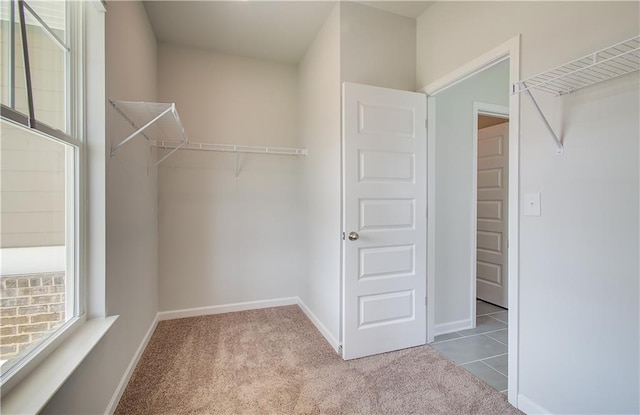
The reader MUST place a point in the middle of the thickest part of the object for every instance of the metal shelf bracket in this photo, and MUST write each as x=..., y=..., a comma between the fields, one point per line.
x=133, y=112
x=558, y=142
x=614, y=61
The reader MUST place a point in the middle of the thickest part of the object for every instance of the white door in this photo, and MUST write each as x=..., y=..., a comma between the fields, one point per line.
x=384, y=207
x=493, y=175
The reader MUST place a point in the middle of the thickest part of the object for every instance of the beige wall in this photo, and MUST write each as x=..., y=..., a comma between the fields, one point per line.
x=579, y=268
x=450, y=34
x=319, y=73
x=376, y=47
x=131, y=262
x=227, y=239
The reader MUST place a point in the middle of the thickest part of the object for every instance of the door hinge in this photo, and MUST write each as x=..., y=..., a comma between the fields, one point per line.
x=426, y=123
x=425, y=300
x=340, y=349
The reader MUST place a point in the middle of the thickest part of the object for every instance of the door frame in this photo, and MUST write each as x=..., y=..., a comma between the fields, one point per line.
x=496, y=111
x=508, y=50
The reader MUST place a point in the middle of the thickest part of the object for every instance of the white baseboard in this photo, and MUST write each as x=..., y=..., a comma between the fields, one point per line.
x=321, y=328
x=445, y=328
x=529, y=407
x=226, y=308
x=113, y=403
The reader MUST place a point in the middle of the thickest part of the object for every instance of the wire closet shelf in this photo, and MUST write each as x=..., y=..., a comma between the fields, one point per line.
x=230, y=148
x=620, y=59
x=160, y=124
x=608, y=63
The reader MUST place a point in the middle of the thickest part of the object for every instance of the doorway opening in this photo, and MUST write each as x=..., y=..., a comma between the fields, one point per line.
x=456, y=317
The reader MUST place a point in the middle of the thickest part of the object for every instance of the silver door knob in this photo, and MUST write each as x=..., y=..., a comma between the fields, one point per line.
x=353, y=236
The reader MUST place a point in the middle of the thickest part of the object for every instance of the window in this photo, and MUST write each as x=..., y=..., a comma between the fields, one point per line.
x=41, y=166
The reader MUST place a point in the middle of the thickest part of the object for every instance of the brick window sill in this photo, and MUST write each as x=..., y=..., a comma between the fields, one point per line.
x=34, y=391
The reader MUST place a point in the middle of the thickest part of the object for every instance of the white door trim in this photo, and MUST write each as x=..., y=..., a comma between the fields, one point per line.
x=499, y=111
x=508, y=50
x=431, y=218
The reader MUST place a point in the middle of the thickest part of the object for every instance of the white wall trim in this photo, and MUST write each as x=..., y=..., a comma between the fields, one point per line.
x=513, y=223
x=227, y=308
x=450, y=327
x=31, y=394
x=431, y=218
x=32, y=260
x=113, y=403
x=529, y=407
x=490, y=58
x=321, y=327
x=508, y=50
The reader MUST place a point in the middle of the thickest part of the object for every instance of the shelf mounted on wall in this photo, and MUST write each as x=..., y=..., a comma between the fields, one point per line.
x=609, y=63
x=230, y=148
x=152, y=120
x=160, y=124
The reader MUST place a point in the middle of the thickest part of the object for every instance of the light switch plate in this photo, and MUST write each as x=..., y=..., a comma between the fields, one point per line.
x=532, y=204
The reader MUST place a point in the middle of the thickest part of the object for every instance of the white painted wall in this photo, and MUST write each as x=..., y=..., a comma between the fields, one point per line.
x=319, y=74
x=579, y=305
x=377, y=47
x=227, y=239
x=454, y=230
x=131, y=281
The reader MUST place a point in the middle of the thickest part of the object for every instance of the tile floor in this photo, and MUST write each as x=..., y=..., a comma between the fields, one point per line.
x=483, y=350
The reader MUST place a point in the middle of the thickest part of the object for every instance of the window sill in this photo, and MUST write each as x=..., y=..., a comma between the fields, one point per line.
x=32, y=393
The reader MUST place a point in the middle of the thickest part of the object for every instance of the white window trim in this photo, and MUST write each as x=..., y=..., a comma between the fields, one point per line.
x=69, y=347
x=32, y=393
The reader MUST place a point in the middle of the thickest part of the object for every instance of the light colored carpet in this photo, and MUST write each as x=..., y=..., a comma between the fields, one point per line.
x=274, y=361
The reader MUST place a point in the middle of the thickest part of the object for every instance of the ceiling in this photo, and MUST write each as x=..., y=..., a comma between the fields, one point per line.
x=410, y=9
x=279, y=31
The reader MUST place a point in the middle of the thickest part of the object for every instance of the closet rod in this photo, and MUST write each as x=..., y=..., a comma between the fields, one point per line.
x=230, y=148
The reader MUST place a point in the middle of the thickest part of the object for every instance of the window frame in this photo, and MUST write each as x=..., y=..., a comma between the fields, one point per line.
x=75, y=144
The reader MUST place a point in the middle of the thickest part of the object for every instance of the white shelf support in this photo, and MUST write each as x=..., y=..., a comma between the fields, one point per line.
x=559, y=146
x=169, y=154
x=118, y=146
x=150, y=114
x=612, y=62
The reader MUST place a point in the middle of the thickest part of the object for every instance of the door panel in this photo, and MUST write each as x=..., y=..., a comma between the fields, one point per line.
x=377, y=166
x=387, y=214
x=387, y=262
x=491, y=266
x=384, y=196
